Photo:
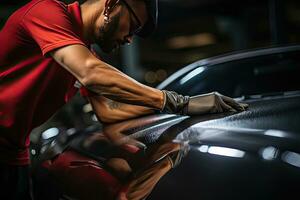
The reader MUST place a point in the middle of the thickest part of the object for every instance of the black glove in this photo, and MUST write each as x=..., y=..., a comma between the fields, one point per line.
x=213, y=103
x=201, y=104
x=175, y=103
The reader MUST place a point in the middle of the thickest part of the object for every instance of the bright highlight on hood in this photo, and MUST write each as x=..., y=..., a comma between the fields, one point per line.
x=222, y=151
x=291, y=158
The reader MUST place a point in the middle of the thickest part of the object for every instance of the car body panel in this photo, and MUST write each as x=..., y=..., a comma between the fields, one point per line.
x=253, y=154
x=249, y=155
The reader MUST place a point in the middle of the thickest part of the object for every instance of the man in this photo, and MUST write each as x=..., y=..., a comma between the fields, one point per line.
x=44, y=50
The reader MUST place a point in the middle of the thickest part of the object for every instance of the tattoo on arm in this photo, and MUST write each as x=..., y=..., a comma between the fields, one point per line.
x=114, y=105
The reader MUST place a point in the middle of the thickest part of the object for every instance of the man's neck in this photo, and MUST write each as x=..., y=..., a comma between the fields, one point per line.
x=90, y=13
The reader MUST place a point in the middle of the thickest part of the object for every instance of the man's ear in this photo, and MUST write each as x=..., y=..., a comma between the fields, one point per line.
x=108, y=8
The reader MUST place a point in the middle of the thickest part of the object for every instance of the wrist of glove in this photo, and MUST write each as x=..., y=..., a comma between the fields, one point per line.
x=200, y=104
x=175, y=103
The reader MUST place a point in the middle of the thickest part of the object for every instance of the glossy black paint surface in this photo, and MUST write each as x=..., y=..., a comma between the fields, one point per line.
x=267, y=135
x=248, y=155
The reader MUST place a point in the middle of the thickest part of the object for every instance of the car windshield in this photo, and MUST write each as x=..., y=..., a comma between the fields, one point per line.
x=261, y=74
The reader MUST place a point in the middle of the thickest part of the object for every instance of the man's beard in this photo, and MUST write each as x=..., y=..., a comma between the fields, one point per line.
x=106, y=39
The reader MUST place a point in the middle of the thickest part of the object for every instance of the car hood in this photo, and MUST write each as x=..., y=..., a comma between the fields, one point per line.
x=270, y=125
x=269, y=121
x=255, y=153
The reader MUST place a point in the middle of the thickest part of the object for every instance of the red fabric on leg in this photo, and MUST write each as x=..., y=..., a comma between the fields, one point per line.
x=82, y=178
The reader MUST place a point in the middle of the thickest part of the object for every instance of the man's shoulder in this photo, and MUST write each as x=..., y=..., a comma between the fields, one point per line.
x=32, y=7
x=45, y=6
x=48, y=2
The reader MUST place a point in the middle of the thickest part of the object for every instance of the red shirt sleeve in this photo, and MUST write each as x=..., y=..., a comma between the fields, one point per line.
x=51, y=26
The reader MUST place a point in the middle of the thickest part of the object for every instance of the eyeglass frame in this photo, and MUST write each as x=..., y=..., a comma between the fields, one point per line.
x=139, y=25
x=107, y=11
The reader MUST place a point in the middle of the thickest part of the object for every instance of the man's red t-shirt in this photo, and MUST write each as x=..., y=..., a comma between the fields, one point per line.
x=32, y=85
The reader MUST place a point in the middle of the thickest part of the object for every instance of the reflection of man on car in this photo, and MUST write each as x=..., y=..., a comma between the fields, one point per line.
x=113, y=165
x=45, y=50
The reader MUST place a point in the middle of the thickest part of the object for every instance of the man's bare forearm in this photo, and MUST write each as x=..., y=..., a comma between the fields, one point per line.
x=109, y=111
x=121, y=88
x=105, y=79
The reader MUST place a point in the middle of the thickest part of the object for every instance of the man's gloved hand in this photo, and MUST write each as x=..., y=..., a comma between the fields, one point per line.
x=201, y=104
x=213, y=103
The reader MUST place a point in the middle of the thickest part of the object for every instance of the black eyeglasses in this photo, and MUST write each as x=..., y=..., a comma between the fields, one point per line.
x=136, y=27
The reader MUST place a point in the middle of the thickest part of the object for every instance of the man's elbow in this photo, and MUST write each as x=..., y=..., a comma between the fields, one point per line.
x=87, y=80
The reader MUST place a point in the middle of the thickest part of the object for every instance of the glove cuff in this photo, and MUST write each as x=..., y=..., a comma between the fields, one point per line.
x=175, y=103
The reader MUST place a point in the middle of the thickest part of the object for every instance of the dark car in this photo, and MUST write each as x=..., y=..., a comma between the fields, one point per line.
x=253, y=154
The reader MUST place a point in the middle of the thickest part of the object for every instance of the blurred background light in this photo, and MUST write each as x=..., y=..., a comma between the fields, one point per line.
x=188, y=41
x=161, y=75
x=150, y=77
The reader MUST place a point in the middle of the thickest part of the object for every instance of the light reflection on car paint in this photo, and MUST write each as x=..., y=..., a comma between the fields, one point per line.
x=291, y=158
x=191, y=74
x=269, y=153
x=222, y=151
